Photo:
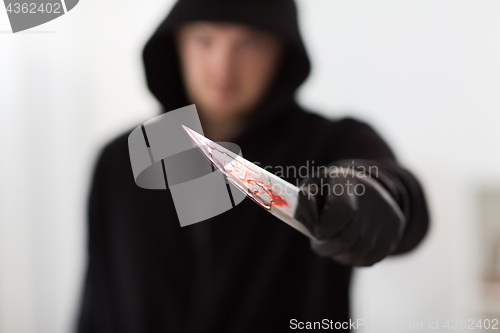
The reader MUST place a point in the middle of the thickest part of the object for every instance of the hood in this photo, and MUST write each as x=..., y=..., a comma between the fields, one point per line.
x=276, y=16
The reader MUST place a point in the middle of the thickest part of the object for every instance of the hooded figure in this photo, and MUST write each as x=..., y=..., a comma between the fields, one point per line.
x=243, y=270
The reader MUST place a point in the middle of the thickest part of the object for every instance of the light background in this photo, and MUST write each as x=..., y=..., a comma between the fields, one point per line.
x=425, y=74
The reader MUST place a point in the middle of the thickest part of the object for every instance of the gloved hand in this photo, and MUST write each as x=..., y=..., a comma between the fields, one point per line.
x=353, y=214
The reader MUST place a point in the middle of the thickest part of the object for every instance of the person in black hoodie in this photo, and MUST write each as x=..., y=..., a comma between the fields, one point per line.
x=244, y=270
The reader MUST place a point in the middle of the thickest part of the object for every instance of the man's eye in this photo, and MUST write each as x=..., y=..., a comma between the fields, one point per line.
x=201, y=39
x=251, y=43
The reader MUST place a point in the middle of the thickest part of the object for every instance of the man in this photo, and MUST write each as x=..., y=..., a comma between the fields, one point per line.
x=240, y=62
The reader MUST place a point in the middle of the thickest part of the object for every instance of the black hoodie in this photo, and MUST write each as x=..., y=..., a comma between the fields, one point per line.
x=243, y=270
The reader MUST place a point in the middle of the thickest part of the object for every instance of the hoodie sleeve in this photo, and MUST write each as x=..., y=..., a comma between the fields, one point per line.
x=361, y=144
x=95, y=309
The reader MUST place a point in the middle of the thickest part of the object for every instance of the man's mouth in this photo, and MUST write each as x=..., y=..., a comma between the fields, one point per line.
x=223, y=93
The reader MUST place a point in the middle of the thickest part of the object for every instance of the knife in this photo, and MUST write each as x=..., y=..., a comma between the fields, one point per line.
x=272, y=193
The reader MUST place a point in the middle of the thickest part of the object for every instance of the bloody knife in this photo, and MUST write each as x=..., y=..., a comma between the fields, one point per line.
x=272, y=193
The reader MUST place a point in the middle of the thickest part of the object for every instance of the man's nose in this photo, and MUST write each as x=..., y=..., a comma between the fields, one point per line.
x=223, y=64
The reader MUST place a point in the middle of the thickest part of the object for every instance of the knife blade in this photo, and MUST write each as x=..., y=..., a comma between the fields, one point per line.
x=269, y=191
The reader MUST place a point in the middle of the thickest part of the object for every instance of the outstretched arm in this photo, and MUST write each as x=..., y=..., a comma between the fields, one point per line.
x=365, y=207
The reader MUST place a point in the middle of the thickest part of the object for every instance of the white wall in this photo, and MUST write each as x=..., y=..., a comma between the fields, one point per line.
x=425, y=74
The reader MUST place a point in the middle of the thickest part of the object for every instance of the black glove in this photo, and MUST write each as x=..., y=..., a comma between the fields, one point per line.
x=355, y=211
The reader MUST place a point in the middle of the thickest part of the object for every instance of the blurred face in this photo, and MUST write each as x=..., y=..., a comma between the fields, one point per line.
x=227, y=68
